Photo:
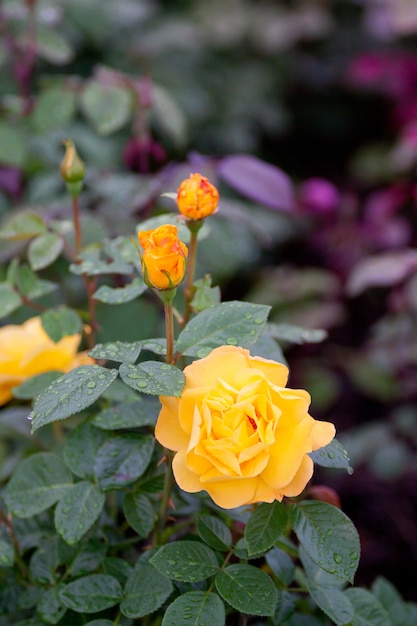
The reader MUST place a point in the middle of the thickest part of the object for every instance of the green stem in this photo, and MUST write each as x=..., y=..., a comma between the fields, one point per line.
x=169, y=329
x=77, y=224
x=192, y=261
x=166, y=494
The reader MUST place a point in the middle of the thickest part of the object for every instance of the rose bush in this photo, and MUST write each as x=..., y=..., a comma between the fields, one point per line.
x=238, y=432
x=27, y=350
x=164, y=258
x=197, y=198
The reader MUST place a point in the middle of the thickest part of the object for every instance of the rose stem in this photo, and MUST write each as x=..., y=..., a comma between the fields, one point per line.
x=90, y=284
x=192, y=259
x=169, y=326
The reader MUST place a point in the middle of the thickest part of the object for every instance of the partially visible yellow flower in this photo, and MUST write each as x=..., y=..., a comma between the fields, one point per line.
x=238, y=432
x=27, y=350
x=164, y=258
x=72, y=168
x=197, y=198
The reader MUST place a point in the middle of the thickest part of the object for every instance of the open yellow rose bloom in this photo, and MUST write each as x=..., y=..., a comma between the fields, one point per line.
x=27, y=350
x=238, y=432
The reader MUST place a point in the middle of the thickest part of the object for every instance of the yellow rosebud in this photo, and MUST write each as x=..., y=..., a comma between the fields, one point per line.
x=27, y=350
x=72, y=167
x=238, y=432
x=164, y=258
x=197, y=198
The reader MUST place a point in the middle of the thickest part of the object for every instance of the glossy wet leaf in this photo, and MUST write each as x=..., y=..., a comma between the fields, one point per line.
x=120, y=351
x=61, y=322
x=120, y=295
x=77, y=511
x=195, y=608
x=328, y=536
x=71, y=393
x=230, y=323
x=122, y=459
x=80, y=448
x=333, y=455
x=265, y=526
x=38, y=482
x=247, y=589
x=91, y=594
x=189, y=561
x=291, y=333
x=153, y=377
x=145, y=591
x=281, y=565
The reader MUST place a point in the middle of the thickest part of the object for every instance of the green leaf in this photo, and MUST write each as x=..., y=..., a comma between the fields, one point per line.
x=44, y=250
x=34, y=385
x=328, y=537
x=368, y=610
x=23, y=225
x=156, y=345
x=265, y=526
x=146, y=590
x=10, y=300
x=120, y=295
x=87, y=557
x=168, y=115
x=93, y=265
x=281, y=565
x=214, y=532
x=205, y=295
x=247, y=589
x=61, y=322
x=189, y=561
x=195, y=608
x=52, y=46
x=121, y=351
x=6, y=547
x=91, y=594
x=77, y=511
x=332, y=455
x=100, y=622
x=50, y=607
x=25, y=279
x=107, y=107
x=285, y=606
x=138, y=511
x=153, y=377
x=295, y=334
x=325, y=589
x=117, y=567
x=122, y=459
x=43, y=563
x=71, y=393
x=230, y=323
x=54, y=108
x=38, y=482
x=391, y=601
x=41, y=288
x=143, y=412
x=80, y=448
x=13, y=145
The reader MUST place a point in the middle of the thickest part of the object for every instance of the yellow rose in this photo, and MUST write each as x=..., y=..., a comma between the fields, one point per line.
x=164, y=259
x=197, y=198
x=27, y=350
x=238, y=432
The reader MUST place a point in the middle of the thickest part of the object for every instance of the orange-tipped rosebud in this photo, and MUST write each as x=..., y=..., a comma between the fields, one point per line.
x=72, y=167
x=197, y=198
x=164, y=258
